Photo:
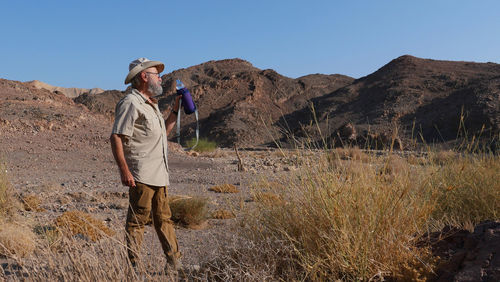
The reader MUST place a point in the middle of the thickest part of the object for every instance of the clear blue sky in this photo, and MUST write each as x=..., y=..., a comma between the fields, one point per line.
x=90, y=43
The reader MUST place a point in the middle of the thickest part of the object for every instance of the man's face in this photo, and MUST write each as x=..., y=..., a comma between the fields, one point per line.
x=154, y=81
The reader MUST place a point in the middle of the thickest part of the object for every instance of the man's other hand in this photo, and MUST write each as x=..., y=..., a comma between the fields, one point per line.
x=127, y=178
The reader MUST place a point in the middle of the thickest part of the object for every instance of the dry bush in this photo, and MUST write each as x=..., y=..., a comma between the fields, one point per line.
x=76, y=260
x=351, y=153
x=468, y=190
x=32, y=203
x=267, y=184
x=416, y=160
x=394, y=165
x=224, y=188
x=189, y=212
x=51, y=237
x=77, y=222
x=8, y=203
x=346, y=222
x=16, y=240
x=223, y=214
x=442, y=157
x=267, y=198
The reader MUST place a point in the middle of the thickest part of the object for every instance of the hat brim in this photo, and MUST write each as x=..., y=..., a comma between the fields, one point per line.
x=137, y=69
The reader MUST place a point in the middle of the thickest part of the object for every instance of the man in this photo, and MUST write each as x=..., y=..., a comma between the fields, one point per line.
x=139, y=145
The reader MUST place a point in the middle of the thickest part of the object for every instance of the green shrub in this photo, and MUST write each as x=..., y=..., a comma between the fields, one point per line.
x=204, y=145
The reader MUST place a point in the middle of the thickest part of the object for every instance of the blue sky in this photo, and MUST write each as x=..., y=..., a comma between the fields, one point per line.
x=90, y=43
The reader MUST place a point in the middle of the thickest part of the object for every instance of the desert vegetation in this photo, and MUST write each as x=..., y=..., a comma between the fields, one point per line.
x=346, y=214
x=204, y=145
x=357, y=215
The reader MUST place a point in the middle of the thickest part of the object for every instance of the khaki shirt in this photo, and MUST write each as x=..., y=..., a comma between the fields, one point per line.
x=145, y=142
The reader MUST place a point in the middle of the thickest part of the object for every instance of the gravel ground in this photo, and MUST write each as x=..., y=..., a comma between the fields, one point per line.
x=72, y=169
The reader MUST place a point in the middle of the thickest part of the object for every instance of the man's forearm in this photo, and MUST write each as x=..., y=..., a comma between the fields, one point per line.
x=117, y=148
x=170, y=122
x=172, y=117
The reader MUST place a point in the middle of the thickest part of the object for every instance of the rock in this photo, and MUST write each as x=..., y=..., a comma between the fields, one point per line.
x=468, y=256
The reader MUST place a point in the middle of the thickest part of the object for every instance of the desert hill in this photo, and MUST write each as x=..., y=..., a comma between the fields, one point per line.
x=234, y=99
x=420, y=97
x=69, y=92
x=240, y=104
x=409, y=98
x=26, y=109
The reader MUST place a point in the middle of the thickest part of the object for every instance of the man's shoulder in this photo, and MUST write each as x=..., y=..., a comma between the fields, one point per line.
x=129, y=98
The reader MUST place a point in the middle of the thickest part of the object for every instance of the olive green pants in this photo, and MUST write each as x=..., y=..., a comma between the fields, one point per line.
x=146, y=201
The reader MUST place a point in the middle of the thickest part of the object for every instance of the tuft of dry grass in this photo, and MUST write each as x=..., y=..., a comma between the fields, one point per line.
x=443, y=157
x=351, y=153
x=16, y=240
x=267, y=198
x=8, y=203
x=468, y=190
x=32, y=203
x=190, y=212
x=223, y=214
x=346, y=221
x=77, y=222
x=224, y=188
x=361, y=221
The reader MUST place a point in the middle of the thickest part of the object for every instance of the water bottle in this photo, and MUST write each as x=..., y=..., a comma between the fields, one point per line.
x=187, y=101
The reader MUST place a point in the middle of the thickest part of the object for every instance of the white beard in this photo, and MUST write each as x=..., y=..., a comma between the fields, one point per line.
x=155, y=88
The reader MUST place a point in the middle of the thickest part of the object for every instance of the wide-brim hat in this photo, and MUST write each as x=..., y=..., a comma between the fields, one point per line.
x=136, y=66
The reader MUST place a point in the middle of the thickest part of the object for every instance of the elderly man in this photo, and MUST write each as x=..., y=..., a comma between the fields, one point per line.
x=139, y=145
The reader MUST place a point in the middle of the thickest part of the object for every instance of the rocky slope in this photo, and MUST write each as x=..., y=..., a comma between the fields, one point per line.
x=240, y=104
x=429, y=99
x=409, y=99
x=71, y=92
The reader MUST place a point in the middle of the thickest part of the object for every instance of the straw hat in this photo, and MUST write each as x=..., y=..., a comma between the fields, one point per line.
x=136, y=66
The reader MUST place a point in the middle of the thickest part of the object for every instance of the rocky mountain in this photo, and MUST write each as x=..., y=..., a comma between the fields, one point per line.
x=241, y=104
x=68, y=92
x=426, y=100
x=407, y=101
x=25, y=109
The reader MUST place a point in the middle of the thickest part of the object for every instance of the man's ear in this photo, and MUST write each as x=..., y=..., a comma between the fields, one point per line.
x=144, y=76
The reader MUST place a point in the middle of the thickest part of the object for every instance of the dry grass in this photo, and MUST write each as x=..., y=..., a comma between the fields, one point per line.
x=468, y=190
x=8, y=202
x=347, y=222
x=16, y=240
x=443, y=157
x=351, y=153
x=267, y=198
x=190, y=212
x=76, y=222
x=223, y=214
x=342, y=219
x=32, y=203
x=224, y=188
x=353, y=220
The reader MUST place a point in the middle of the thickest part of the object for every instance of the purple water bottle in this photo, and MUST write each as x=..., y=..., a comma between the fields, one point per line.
x=187, y=101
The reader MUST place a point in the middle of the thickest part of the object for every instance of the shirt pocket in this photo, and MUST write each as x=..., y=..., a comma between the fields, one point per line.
x=151, y=123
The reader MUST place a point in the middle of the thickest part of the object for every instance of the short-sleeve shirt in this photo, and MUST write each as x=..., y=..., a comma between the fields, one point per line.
x=145, y=142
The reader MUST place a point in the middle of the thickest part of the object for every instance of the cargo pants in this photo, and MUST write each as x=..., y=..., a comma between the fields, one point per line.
x=146, y=201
